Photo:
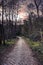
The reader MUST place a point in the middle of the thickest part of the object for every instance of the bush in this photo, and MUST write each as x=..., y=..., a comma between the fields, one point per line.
x=35, y=36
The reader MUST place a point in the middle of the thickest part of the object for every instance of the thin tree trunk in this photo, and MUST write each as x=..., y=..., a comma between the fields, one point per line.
x=9, y=14
x=41, y=34
x=3, y=34
x=12, y=16
x=38, y=12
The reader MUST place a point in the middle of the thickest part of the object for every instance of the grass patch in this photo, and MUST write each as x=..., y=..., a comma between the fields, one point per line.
x=10, y=41
x=8, y=44
x=37, y=48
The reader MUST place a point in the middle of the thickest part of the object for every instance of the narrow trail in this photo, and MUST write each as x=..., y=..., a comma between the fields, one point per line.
x=20, y=55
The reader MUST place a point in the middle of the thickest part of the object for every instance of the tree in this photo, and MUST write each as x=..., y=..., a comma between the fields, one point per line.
x=42, y=8
x=0, y=34
x=3, y=32
x=26, y=27
x=6, y=14
x=37, y=4
x=30, y=6
x=30, y=22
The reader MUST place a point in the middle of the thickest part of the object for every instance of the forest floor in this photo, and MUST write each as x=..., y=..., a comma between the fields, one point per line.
x=18, y=54
x=37, y=49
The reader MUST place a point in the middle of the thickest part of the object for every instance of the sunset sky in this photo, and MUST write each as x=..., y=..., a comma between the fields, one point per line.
x=23, y=11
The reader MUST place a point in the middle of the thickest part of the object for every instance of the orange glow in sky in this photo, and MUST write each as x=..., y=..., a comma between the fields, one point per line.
x=22, y=14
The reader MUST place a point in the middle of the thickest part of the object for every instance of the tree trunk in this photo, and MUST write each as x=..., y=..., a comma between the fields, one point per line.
x=0, y=41
x=41, y=34
x=3, y=34
x=38, y=12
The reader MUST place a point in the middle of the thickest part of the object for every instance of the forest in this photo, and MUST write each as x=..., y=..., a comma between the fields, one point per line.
x=18, y=19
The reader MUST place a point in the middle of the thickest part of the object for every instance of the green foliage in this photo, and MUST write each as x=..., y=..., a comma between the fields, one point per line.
x=37, y=48
x=10, y=41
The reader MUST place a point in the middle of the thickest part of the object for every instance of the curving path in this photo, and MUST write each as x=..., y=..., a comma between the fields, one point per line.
x=20, y=55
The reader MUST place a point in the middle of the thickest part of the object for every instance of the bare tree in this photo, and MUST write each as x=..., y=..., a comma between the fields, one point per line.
x=37, y=4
